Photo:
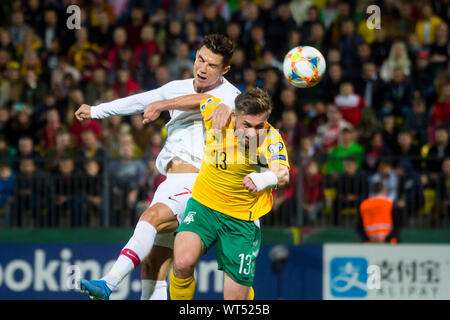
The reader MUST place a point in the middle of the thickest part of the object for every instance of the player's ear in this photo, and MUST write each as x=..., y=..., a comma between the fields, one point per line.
x=226, y=69
x=233, y=116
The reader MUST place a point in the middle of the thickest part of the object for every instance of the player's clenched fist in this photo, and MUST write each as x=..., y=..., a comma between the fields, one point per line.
x=249, y=184
x=153, y=110
x=83, y=112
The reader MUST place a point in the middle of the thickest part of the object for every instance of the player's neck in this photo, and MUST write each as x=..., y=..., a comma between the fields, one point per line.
x=208, y=88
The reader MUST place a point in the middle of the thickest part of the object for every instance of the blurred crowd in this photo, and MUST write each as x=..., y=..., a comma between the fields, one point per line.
x=381, y=112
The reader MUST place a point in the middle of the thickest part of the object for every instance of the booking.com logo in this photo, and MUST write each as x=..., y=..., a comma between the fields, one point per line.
x=353, y=277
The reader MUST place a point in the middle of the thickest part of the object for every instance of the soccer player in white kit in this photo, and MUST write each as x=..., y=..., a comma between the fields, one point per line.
x=179, y=160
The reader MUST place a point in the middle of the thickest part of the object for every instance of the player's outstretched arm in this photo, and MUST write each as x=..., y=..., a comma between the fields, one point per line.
x=187, y=102
x=276, y=177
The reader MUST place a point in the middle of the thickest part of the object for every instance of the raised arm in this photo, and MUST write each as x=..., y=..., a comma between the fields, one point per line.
x=120, y=107
x=219, y=115
x=187, y=102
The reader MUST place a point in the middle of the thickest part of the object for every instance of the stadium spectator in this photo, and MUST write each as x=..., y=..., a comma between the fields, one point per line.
x=367, y=127
x=346, y=147
x=238, y=64
x=312, y=188
x=349, y=103
x=154, y=147
x=312, y=17
x=426, y=26
x=26, y=149
x=97, y=86
x=102, y=34
x=30, y=195
x=374, y=153
x=92, y=148
x=49, y=131
x=7, y=152
x=21, y=124
x=63, y=147
x=147, y=46
x=181, y=62
x=332, y=82
x=95, y=10
x=141, y=134
x=31, y=42
x=7, y=187
x=400, y=93
x=410, y=190
x=439, y=55
x=417, y=121
x=380, y=47
x=6, y=43
x=390, y=131
x=423, y=76
x=407, y=151
x=67, y=208
x=348, y=43
x=388, y=177
x=76, y=53
x=250, y=79
x=398, y=58
x=440, y=112
x=14, y=83
x=125, y=85
x=438, y=152
x=17, y=28
x=127, y=178
x=34, y=90
x=443, y=190
x=212, y=22
x=352, y=187
x=327, y=134
x=291, y=129
x=370, y=86
x=279, y=28
x=134, y=26
x=93, y=192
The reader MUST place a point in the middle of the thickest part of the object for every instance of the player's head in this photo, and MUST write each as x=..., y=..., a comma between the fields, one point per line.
x=252, y=109
x=212, y=61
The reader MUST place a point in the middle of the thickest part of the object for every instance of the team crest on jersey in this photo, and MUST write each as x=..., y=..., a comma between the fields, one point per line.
x=276, y=147
x=190, y=217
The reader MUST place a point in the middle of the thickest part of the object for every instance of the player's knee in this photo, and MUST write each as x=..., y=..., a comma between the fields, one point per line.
x=184, y=265
x=152, y=216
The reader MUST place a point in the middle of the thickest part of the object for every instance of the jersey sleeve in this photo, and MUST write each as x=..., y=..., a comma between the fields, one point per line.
x=274, y=149
x=207, y=106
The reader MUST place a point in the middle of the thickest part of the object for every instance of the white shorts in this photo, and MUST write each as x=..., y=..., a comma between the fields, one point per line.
x=174, y=192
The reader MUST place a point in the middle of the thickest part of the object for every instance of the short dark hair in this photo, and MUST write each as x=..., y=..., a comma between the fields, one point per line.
x=219, y=44
x=254, y=101
x=377, y=187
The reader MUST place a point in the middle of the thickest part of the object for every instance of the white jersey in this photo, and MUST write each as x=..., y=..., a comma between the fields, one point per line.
x=185, y=130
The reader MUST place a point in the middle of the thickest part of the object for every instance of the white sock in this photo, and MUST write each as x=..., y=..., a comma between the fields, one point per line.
x=147, y=288
x=160, y=291
x=135, y=251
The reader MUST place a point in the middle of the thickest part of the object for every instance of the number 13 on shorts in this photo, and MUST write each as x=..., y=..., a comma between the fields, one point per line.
x=246, y=263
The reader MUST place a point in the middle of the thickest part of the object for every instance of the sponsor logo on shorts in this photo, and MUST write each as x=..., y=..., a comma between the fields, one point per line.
x=190, y=217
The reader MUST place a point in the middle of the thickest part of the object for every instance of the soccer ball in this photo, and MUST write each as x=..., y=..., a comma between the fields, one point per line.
x=304, y=66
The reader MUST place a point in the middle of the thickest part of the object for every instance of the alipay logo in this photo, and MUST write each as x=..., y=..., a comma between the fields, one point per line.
x=348, y=277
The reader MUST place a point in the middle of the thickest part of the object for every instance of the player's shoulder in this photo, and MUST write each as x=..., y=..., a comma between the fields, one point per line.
x=272, y=133
x=225, y=89
x=210, y=102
